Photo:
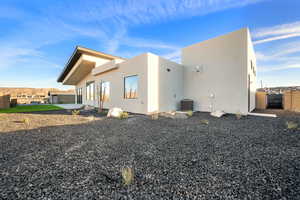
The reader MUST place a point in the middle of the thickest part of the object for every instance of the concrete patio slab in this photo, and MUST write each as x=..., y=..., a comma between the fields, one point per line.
x=70, y=106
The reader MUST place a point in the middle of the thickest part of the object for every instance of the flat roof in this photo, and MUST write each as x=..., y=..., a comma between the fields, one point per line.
x=79, y=50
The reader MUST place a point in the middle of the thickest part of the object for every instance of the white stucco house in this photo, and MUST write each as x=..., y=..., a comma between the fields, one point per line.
x=217, y=74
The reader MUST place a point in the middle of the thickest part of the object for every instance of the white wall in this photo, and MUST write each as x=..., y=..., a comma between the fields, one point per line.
x=224, y=64
x=252, y=72
x=223, y=73
x=134, y=66
x=168, y=79
x=89, y=77
x=158, y=89
x=170, y=85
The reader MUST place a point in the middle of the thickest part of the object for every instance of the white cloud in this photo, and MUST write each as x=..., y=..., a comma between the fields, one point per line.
x=278, y=68
x=135, y=12
x=277, y=32
x=106, y=22
x=13, y=55
x=174, y=56
x=34, y=83
x=114, y=18
x=281, y=53
x=281, y=37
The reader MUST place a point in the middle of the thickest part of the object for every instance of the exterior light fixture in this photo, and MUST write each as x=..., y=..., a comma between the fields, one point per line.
x=199, y=69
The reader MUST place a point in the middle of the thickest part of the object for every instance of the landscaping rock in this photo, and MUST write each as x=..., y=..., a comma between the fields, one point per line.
x=115, y=112
x=175, y=115
x=89, y=108
x=217, y=113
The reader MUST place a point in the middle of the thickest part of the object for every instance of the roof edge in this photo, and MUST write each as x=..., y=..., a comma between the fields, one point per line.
x=78, y=51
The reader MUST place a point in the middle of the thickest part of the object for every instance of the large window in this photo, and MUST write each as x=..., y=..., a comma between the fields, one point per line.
x=79, y=95
x=90, y=91
x=131, y=87
x=104, y=91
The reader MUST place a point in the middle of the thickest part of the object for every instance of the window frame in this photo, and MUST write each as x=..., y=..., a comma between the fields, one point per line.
x=124, y=86
x=79, y=95
x=90, y=91
x=101, y=89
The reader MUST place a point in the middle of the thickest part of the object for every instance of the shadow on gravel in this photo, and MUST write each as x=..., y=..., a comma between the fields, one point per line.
x=256, y=158
x=69, y=112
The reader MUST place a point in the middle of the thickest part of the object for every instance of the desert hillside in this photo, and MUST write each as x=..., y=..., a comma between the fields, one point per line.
x=29, y=95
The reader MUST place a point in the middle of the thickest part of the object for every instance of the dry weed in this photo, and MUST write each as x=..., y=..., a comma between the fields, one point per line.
x=127, y=175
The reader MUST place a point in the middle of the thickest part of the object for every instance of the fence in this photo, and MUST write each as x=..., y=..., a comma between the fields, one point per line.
x=13, y=102
x=292, y=100
x=261, y=100
x=4, y=101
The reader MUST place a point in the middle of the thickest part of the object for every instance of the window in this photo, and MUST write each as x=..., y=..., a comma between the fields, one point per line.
x=90, y=88
x=79, y=95
x=130, y=87
x=104, y=91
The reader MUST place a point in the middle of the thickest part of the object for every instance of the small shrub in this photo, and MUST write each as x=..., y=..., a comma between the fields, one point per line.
x=127, y=175
x=204, y=121
x=103, y=112
x=291, y=125
x=238, y=115
x=124, y=115
x=75, y=112
x=154, y=116
x=25, y=121
x=189, y=113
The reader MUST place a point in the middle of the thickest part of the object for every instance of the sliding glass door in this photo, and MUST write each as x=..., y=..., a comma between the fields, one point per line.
x=79, y=95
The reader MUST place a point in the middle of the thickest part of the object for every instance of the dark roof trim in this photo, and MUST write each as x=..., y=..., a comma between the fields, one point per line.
x=75, y=57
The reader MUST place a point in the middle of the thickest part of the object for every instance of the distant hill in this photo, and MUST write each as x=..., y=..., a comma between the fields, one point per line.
x=278, y=89
x=28, y=95
x=28, y=91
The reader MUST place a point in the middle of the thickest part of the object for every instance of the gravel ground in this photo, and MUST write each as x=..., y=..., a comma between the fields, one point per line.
x=59, y=156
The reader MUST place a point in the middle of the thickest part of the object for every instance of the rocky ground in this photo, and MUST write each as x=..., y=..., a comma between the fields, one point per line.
x=54, y=155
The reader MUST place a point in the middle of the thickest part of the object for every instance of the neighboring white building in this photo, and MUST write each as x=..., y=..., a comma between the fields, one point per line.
x=217, y=74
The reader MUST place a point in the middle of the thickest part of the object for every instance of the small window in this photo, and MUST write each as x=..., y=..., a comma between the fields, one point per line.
x=104, y=91
x=90, y=88
x=131, y=87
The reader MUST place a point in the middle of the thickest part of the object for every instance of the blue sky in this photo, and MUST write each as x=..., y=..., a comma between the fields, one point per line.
x=37, y=37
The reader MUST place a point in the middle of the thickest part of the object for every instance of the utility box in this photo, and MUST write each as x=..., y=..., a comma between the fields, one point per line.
x=187, y=104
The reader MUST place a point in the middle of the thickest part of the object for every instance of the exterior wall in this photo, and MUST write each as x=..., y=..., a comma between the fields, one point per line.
x=159, y=89
x=216, y=74
x=168, y=81
x=82, y=84
x=252, y=71
x=88, y=78
x=62, y=99
x=135, y=66
x=221, y=83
